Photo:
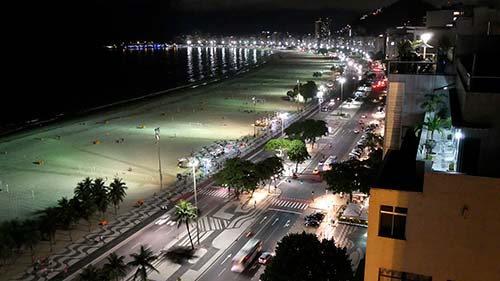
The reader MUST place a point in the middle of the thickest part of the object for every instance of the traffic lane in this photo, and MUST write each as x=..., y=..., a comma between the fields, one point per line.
x=159, y=234
x=269, y=227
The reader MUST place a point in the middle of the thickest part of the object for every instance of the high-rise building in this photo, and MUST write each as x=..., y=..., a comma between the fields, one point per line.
x=322, y=30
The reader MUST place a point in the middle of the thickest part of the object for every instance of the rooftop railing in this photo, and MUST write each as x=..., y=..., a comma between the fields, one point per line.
x=419, y=68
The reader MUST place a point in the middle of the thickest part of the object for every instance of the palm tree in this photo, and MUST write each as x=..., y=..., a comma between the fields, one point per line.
x=31, y=236
x=90, y=273
x=374, y=141
x=47, y=224
x=100, y=195
x=83, y=190
x=142, y=261
x=115, y=267
x=117, y=192
x=67, y=215
x=185, y=212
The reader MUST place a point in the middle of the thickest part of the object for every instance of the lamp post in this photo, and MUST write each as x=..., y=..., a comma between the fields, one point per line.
x=157, y=138
x=425, y=38
x=298, y=93
x=283, y=117
x=320, y=94
x=194, y=163
x=342, y=81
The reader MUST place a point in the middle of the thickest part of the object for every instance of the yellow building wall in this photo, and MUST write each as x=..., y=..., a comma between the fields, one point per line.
x=442, y=240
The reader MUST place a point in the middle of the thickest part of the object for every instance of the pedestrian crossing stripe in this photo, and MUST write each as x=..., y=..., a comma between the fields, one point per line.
x=185, y=241
x=217, y=192
x=290, y=203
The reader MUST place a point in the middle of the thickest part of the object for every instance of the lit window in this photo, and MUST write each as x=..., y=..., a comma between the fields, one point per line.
x=392, y=222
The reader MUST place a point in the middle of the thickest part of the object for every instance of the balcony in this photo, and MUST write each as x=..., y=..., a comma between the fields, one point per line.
x=419, y=68
x=439, y=148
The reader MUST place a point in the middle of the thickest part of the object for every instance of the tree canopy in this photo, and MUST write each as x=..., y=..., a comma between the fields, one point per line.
x=239, y=174
x=307, y=130
x=302, y=257
x=295, y=149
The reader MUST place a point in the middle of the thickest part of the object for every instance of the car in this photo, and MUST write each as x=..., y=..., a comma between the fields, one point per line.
x=363, y=116
x=324, y=108
x=316, y=170
x=311, y=222
x=361, y=121
x=265, y=257
x=319, y=216
x=356, y=131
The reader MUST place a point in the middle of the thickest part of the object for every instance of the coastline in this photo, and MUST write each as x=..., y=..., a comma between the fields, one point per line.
x=69, y=155
x=25, y=126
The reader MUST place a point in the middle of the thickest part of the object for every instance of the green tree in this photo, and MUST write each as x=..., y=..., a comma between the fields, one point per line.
x=309, y=90
x=83, y=190
x=115, y=267
x=117, y=192
x=350, y=176
x=302, y=257
x=269, y=167
x=280, y=145
x=90, y=273
x=100, y=196
x=143, y=261
x=185, y=212
x=47, y=224
x=31, y=236
x=5, y=243
x=314, y=129
x=297, y=153
x=68, y=215
x=239, y=174
x=374, y=141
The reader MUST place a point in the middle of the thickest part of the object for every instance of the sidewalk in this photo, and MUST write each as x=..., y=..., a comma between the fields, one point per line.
x=81, y=251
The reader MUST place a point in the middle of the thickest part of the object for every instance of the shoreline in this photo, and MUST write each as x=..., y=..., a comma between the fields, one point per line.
x=28, y=125
x=188, y=122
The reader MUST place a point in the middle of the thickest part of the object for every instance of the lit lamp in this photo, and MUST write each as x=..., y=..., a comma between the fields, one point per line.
x=194, y=162
x=319, y=94
x=425, y=38
x=341, y=81
x=283, y=117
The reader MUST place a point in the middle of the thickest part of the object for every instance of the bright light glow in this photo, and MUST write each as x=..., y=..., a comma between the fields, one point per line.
x=283, y=115
x=426, y=37
x=350, y=63
x=319, y=94
x=459, y=135
x=194, y=162
x=189, y=42
x=342, y=80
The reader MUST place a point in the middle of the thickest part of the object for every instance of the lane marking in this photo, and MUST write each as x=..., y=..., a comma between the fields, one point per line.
x=228, y=256
x=285, y=211
x=276, y=220
x=220, y=273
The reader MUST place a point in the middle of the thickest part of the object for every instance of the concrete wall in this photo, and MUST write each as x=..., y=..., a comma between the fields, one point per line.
x=442, y=240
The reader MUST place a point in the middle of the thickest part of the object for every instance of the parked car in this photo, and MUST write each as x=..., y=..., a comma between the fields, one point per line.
x=356, y=131
x=311, y=222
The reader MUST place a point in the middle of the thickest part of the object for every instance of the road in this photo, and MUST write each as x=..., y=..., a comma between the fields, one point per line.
x=223, y=222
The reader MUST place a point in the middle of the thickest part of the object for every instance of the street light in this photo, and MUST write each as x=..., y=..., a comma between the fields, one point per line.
x=341, y=81
x=283, y=117
x=194, y=162
x=157, y=138
x=319, y=94
x=425, y=38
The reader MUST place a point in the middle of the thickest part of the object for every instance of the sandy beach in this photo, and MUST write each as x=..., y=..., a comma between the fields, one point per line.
x=120, y=141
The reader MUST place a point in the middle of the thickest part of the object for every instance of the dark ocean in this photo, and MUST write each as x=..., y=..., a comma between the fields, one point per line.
x=109, y=76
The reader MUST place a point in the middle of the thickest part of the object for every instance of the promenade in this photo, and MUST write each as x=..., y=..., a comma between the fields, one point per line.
x=120, y=142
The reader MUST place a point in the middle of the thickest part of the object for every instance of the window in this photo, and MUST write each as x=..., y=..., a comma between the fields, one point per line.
x=392, y=222
x=393, y=275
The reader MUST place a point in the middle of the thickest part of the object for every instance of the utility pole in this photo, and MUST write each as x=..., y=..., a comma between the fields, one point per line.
x=157, y=138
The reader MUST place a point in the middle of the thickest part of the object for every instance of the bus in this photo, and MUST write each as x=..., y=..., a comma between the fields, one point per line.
x=327, y=166
x=246, y=255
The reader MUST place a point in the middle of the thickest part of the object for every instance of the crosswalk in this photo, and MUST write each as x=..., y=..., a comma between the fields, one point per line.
x=291, y=203
x=184, y=242
x=206, y=223
x=341, y=235
x=215, y=191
